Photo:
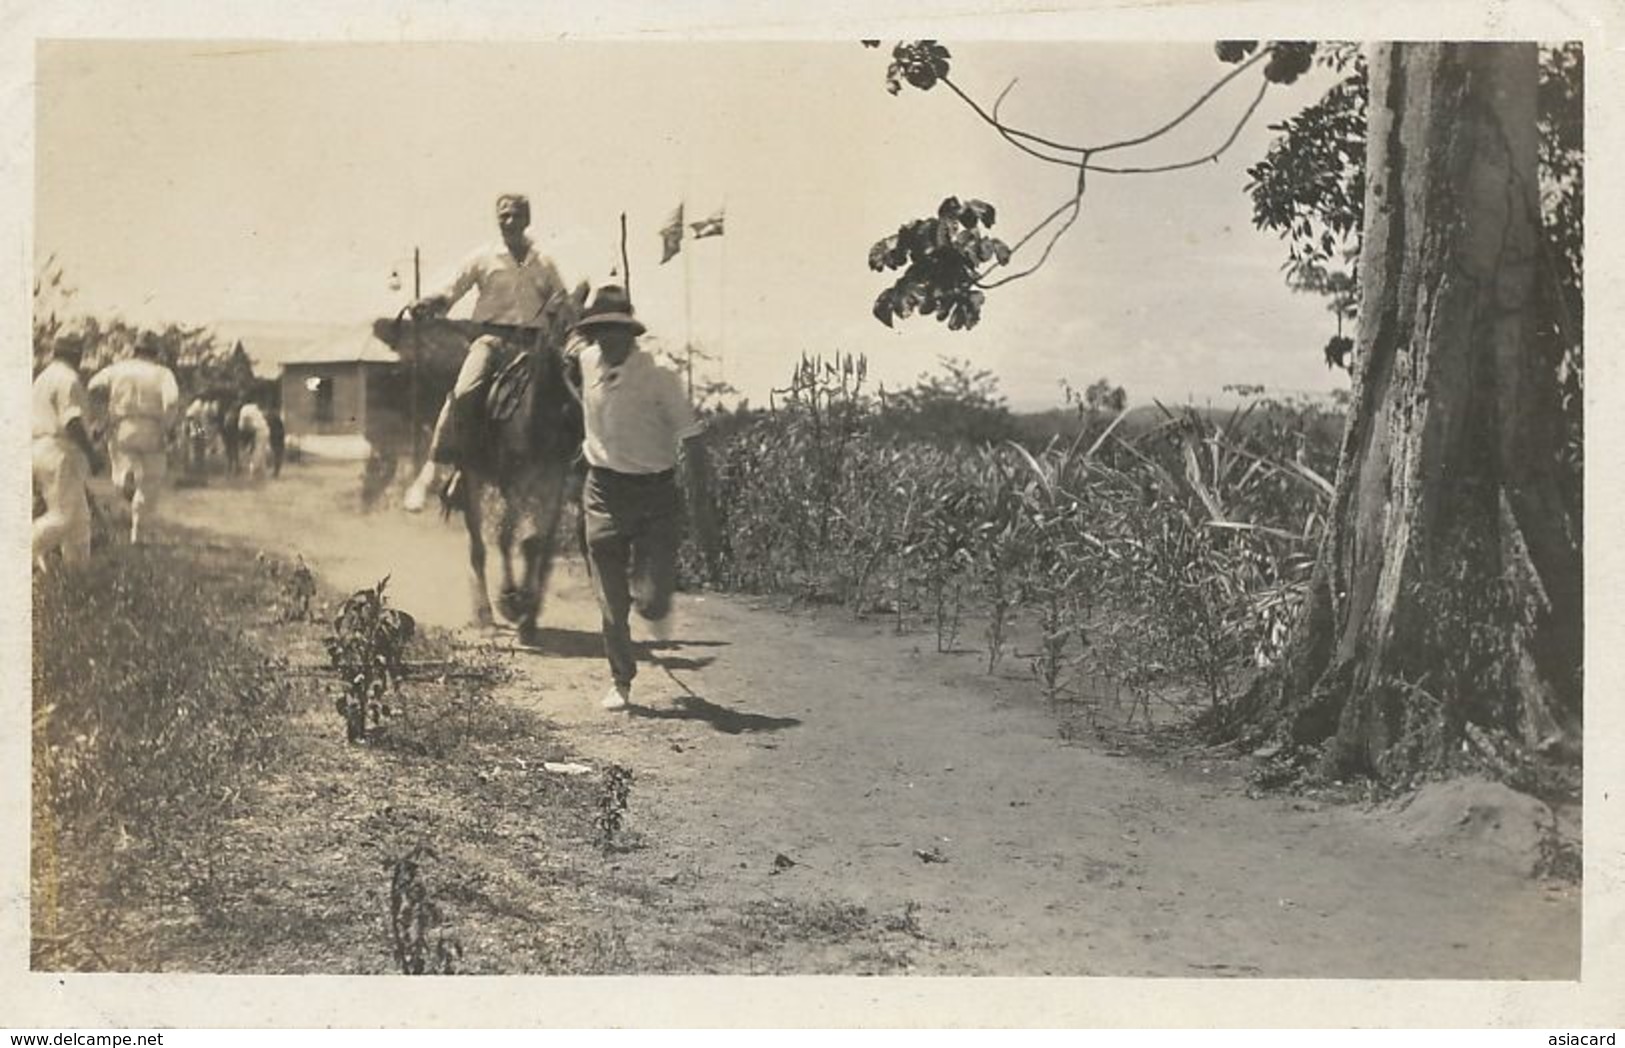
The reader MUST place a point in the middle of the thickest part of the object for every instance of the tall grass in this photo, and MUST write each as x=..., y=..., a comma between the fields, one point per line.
x=148, y=723
x=1178, y=555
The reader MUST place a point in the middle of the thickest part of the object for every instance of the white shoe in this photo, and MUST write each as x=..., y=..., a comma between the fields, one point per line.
x=617, y=698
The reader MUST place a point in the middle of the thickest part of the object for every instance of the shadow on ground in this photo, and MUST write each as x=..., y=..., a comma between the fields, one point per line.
x=565, y=644
x=730, y=722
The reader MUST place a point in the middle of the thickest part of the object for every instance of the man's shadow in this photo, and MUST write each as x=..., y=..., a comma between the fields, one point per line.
x=565, y=644
x=692, y=706
x=581, y=644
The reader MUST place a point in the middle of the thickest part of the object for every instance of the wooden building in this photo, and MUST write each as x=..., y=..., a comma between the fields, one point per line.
x=345, y=396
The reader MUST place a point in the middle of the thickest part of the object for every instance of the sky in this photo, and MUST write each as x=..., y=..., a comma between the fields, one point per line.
x=199, y=182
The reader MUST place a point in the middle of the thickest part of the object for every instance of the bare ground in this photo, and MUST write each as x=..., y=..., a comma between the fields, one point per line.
x=811, y=794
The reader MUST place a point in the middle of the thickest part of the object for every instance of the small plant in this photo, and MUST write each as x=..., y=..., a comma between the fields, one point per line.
x=612, y=799
x=368, y=648
x=1057, y=623
x=1281, y=772
x=296, y=587
x=1559, y=859
x=297, y=591
x=413, y=915
x=948, y=613
x=907, y=922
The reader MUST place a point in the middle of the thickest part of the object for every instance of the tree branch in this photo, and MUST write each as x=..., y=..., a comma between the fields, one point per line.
x=1181, y=118
x=1075, y=205
x=1010, y=134
x=1040, y=148
x=1206, y=159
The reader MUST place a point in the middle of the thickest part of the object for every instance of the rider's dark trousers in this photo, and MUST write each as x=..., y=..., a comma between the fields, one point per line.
x=632, y=524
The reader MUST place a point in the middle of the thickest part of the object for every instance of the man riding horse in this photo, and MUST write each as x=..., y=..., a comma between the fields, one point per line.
x=520, y=294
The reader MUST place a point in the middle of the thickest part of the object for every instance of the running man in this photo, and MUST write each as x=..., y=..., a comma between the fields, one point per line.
x=142, y=404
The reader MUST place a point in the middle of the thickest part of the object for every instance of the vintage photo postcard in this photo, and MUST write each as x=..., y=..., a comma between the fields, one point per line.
x=867, y=517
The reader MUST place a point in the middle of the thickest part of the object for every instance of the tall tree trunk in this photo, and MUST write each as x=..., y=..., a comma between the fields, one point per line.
x=1448, y=594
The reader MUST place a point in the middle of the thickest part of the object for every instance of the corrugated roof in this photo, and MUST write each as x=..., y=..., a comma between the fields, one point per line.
x=353, y=346
x=269, y=343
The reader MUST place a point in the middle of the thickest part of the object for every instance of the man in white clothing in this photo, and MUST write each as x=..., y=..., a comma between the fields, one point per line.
x=637, y=415
x=254, y=430
x=519, y=294
x=63, y=458
x=142, y=402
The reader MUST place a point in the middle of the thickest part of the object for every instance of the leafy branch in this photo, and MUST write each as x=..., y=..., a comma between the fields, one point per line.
x=947, y=261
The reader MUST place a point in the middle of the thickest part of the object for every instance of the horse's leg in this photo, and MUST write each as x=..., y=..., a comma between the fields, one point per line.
x=473, y=513
x=515, y=598
x=541, y=547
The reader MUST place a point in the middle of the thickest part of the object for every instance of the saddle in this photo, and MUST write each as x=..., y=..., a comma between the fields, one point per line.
x=509, y=387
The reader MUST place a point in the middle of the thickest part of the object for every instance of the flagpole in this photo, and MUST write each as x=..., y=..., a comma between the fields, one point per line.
x=688, y=279
x=722, y=307
x=626, y=267
x=688, y=321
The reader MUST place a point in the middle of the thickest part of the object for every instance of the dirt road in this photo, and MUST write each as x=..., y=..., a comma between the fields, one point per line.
x=804, y=765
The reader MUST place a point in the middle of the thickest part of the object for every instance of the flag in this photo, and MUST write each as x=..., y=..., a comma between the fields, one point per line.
x=710, y=227
x=671, y=236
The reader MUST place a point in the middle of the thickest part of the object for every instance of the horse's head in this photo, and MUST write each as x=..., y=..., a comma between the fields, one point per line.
x=563, y=313
x=540, y=421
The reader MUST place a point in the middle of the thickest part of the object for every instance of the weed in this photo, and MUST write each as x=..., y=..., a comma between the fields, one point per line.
x=367, y=646
x=907, y=922
x=1559, y=859
x=614, y=792
x=413, y=916
x=300, y=590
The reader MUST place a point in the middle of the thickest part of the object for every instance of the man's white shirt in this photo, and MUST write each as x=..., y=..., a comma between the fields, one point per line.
x=510, y=291
x=142, y=398
x=636, y=413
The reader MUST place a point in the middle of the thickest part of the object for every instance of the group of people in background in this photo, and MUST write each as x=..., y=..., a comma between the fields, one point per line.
x=134, y=406
x=249, y=438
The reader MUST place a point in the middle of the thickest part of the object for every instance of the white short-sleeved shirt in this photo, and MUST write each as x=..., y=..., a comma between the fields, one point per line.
x=511, y=291
x=59, y=398
x=636, y=413
x=142, y=398
x=138, y=388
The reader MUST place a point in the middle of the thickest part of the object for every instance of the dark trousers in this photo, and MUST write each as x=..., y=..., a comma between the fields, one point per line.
x=631, y=523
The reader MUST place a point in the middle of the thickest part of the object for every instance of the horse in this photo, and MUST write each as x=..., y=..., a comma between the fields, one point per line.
x=528, y=460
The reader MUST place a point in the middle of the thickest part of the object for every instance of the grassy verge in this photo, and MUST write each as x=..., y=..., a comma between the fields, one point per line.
x=195, y=804
x=152, y=714
x=197, y=807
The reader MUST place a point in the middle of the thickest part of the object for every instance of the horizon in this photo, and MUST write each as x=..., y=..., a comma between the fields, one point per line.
x=231, y=330
x=284, y=183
